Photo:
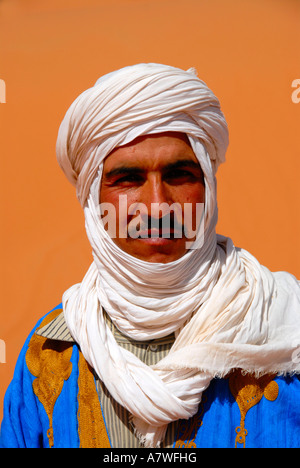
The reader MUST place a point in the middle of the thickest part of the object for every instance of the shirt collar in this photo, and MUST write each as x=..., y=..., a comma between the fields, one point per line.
x=57, y=329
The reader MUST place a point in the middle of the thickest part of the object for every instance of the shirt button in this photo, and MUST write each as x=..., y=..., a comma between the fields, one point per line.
x=153, y=347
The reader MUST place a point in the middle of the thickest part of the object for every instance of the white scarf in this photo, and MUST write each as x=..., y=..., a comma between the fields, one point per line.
x=226, y=310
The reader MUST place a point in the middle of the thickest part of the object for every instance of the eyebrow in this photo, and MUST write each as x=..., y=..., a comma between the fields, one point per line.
x=137, y=170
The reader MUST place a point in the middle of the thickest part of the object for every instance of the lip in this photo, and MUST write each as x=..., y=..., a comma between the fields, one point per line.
x=164, y=233
x=156, y=241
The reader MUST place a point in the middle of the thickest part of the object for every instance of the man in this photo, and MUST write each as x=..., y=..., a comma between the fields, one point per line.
x=174, y=338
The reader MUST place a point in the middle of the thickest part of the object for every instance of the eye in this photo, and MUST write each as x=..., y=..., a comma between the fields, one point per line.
x=132, y=178
x=180, y=175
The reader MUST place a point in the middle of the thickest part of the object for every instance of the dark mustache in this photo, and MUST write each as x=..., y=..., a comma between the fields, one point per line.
x=167, y=222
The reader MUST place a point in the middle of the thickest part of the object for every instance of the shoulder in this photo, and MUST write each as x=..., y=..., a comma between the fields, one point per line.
x=48, y=350
x=38, y=347
x=53, y=326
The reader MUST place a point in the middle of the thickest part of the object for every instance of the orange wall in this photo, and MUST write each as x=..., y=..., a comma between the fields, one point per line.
x=51, y=50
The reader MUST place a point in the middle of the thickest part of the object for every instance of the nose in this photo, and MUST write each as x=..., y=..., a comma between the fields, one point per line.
x=156, y=196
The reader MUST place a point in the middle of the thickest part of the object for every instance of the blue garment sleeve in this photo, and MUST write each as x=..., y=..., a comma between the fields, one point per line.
x=22, y=417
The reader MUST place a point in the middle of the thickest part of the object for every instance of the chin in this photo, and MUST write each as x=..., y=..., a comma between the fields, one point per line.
x=154, y=250
x=158, y=256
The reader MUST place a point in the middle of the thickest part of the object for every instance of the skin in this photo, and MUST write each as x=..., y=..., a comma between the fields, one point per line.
x=159, y=168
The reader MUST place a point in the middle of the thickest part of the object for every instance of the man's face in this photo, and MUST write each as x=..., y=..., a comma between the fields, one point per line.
x=153, y=170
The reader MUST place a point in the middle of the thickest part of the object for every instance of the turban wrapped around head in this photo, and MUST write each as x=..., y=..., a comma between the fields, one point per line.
x=137, y=100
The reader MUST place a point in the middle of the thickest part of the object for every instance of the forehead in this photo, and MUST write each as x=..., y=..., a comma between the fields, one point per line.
x=151, y=151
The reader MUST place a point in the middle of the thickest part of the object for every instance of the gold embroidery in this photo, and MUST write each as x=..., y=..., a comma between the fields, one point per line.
x=248, y=391
x=91, y=427
x=189, y=428
x=49, y=362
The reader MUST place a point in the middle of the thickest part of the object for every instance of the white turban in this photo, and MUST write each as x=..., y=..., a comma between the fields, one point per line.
x=133, y=101
x=226, y=310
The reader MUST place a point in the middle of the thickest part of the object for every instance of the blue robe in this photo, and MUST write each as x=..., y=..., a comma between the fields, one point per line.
x=234, y=412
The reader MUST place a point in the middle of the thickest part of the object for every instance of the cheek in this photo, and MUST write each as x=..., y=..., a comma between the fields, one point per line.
x=192, y=212
x=190, y=194
x=120, y=200
x=117, y=218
